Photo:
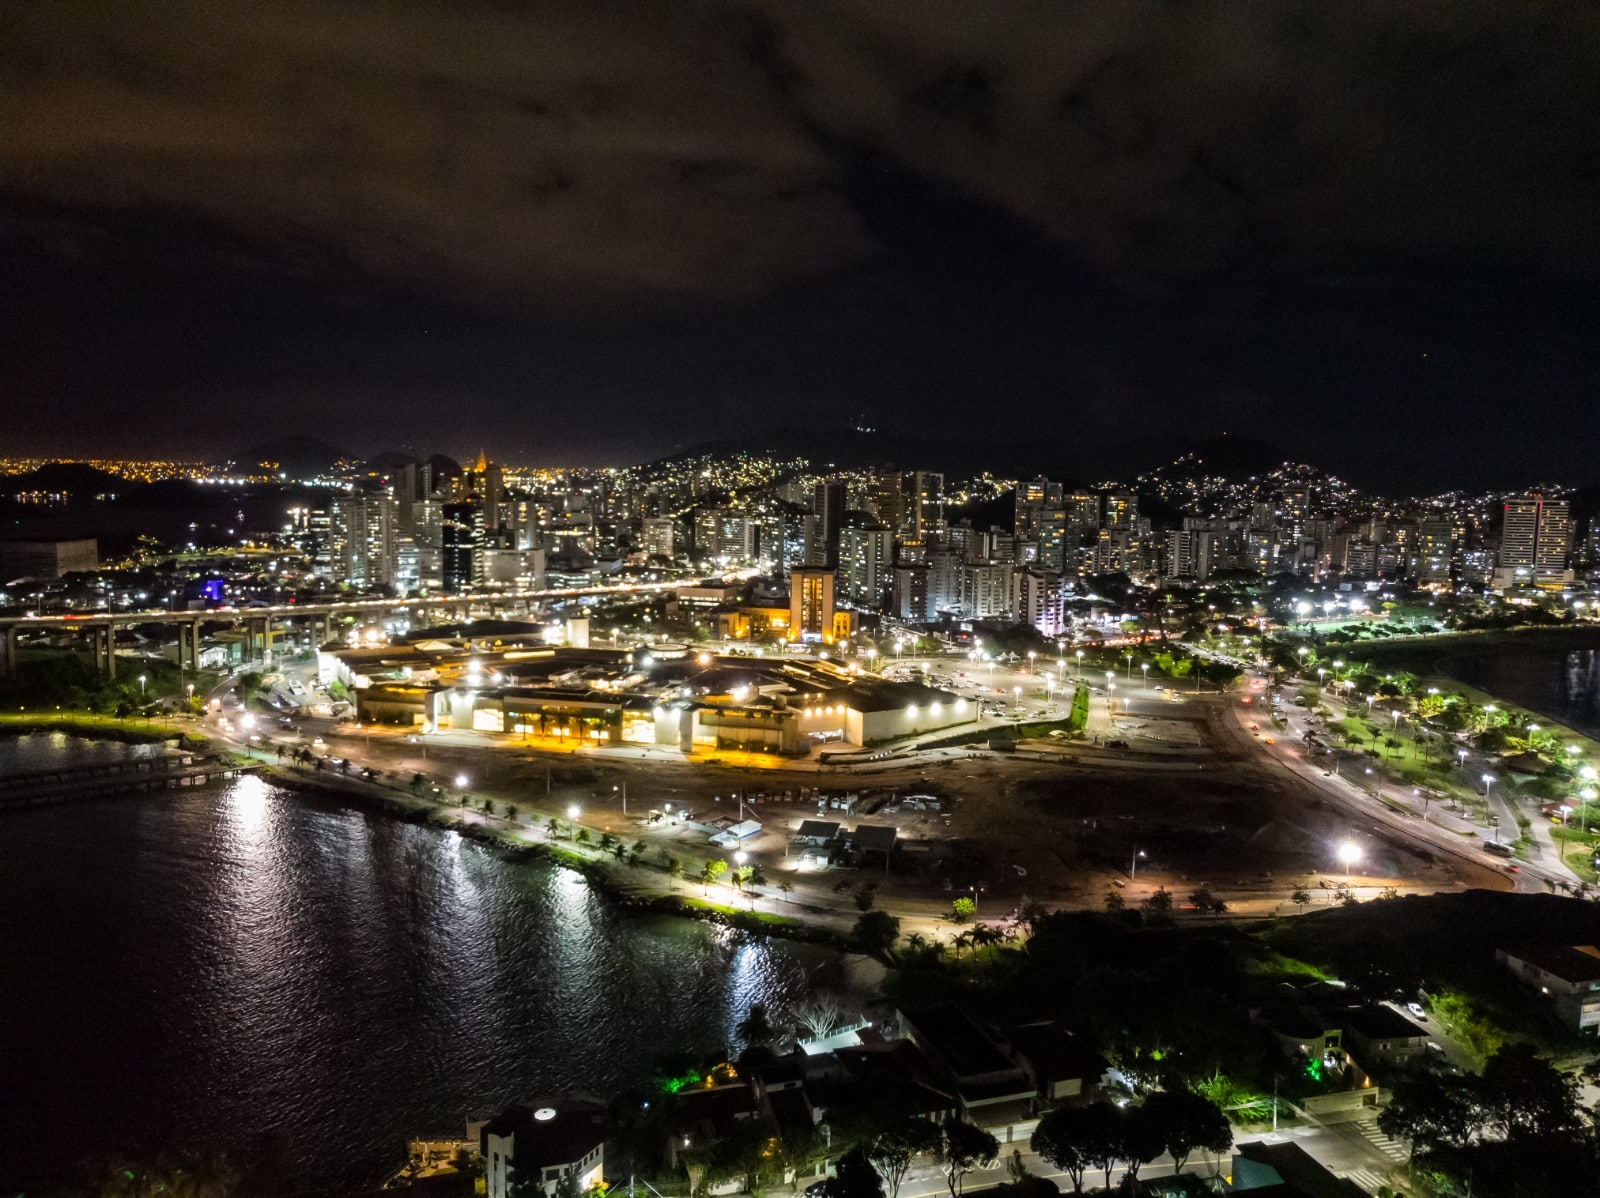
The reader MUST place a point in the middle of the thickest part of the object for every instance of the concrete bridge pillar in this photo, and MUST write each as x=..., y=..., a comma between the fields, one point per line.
x=8, y=667
x=266, y=638
x=111, y=650
x=194, y=645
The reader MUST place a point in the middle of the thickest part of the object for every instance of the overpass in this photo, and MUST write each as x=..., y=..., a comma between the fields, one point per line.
x=101, y=627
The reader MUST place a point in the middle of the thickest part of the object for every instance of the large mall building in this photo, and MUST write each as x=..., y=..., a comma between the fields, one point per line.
x=512, y=682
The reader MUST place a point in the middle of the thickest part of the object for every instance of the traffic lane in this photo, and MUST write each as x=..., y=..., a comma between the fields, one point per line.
x=1358, y=805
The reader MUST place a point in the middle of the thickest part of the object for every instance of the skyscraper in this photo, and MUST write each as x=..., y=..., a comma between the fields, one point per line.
x=828, y=502
x=865, y=556
x=1431, y=561
x=811, y=604
x=1122, y=511
x=1535, y=536
x=460, y=531
x=362, y=531
x=924, y=505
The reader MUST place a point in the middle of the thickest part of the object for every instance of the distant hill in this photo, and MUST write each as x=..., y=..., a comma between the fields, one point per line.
x=297, y=457
x=74, y=478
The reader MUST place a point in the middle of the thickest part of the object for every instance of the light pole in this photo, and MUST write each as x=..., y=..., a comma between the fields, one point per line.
x=1133, y=863
x=1488, y=781
x=462, y=782
x=624, y=789
x=1144, y=668
x=1080, y=663
x=1349, y=854
x=141, y=688
x=1129, y=658
x=573, y=812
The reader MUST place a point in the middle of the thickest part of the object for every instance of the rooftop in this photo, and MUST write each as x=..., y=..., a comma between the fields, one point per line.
x=1576, y=963
x=1380, y=1023
x=551, y=1131
x=959, y=1042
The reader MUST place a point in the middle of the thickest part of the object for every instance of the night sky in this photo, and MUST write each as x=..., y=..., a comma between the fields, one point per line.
x=1367, y=233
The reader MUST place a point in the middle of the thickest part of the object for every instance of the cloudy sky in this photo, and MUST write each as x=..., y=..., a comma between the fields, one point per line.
x=1367, y=232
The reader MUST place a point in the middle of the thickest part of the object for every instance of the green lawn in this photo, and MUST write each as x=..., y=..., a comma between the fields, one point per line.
x=85, y=723
x=1577, y=851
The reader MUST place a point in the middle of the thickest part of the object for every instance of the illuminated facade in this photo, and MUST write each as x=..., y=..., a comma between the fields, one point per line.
x=811, y=604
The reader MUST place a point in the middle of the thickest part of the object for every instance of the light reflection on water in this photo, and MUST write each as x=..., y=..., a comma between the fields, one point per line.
x=218, y=965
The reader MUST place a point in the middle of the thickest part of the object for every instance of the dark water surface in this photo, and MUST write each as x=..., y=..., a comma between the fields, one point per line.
x=1561, y=683
x=218, y=966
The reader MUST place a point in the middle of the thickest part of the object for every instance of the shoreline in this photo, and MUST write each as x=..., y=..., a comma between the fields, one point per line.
x=602, y=876
x=802, y=926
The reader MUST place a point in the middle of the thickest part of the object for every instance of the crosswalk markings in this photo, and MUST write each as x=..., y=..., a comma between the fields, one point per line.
x=1365, y=1178
x=1388, y=1145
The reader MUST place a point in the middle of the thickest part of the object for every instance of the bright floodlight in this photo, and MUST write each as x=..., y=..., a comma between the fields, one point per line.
x=1349, y=853
x=461, y=781
x=573, y=811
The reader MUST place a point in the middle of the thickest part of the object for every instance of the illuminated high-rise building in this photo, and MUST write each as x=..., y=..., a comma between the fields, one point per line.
x=866, y=555
x=1535, y=537
x=811, y=604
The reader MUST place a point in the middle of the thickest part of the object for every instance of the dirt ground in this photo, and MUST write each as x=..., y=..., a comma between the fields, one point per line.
x=1052, y=824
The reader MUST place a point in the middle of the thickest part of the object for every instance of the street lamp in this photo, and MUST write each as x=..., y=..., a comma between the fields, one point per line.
x=1129, y=658
x=141, y=686
x=1144, y=668
x=1080, y=663
x=624, y=789
x=1133, y=863
x=1349, y=854
x=1488, y=781
x=1461, y=755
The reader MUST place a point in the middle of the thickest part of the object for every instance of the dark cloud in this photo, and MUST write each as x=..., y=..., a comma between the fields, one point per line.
x=1152, y=216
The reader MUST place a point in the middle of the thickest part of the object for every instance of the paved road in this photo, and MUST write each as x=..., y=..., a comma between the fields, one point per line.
x=1368, y=813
